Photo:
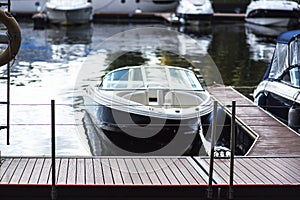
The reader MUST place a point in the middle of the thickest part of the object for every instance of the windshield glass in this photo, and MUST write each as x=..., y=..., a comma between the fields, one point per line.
x=151, y=77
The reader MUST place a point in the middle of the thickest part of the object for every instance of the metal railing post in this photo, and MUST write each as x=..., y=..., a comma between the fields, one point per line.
x=232, y=149
x=212, y=151
x=53, y=188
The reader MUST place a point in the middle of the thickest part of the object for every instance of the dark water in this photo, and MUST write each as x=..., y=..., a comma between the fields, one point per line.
x=55, y=63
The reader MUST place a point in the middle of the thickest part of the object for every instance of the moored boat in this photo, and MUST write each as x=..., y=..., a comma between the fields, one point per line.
x=69, y=12
x=279, y=92
x=194, y=10
x=273, y=13
x=145, y=109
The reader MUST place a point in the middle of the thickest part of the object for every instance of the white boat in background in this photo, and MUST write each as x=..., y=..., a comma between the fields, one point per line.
x=68, y=12
x=27, y=6
x=101, y=6
x=273, y=12
x=132, y=6
x=194, y=10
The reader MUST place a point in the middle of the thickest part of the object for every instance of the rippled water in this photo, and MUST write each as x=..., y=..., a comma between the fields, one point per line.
x=50, y=60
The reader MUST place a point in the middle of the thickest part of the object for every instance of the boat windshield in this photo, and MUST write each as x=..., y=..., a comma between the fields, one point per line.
x=151, y=77
x=286, y=62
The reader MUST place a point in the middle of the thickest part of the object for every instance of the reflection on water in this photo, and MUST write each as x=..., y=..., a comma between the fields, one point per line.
x=50, y=60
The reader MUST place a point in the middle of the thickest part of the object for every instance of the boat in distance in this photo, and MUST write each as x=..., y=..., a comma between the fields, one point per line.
x=194, y=10
x=100, y=6
x=273, y=13
x=142, y=109
x=69, y=12
x=279, y=91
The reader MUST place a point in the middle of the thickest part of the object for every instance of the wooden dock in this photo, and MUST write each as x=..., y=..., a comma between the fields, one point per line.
x=148, y=178
x=273, y=138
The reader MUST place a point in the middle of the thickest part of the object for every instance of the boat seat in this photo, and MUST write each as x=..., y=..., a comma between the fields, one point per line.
x=137, y=96
x=181, y=98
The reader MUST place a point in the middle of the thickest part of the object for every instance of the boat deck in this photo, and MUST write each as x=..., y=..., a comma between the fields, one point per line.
x=131, y=177
x=272, y=136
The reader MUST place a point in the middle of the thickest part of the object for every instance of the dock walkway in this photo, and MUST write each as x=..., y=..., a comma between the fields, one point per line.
x=148, y=178
x=272, y=136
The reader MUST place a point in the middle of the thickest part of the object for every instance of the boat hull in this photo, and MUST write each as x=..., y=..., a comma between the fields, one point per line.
x=69, y=17
x=133, y=133
x=273, y=17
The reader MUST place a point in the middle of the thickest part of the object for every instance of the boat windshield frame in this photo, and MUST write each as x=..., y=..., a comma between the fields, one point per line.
x=285, y=65
x=151, y=77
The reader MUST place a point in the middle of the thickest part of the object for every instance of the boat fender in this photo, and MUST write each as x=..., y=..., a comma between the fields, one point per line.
x=261, y=100
x=14, y=37
x=294, y=118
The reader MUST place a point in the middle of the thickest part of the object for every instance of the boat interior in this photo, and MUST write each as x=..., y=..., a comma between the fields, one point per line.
x=165, y=97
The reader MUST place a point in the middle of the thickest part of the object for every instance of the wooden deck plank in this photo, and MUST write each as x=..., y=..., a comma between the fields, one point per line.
x=115, y=171
x=150, y=171
x=28, y=171
x=283, y=170
x=294, y=170
x=72, y=171
x=142, y=171
x=252, y=172
x=4, y=167
x=57, y=166
x=165, y=168
x=18, y=171
x=184, y=171
x=45, y=172
x=99, y=178
x=124, y=171
x=255, y=170
x=80, y=171
x=107, y=172
x=239, y=168
x=10, y=171
x=89, y=171
x=274, y=137
x=224, y=165
x=174, y=169
x=195, y=170
x=135, y=175
x=63, y=172
x=37, y=170
x=159, y=172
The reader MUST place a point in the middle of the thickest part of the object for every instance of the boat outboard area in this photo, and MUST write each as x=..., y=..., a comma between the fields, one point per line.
x=279, y=91
x=144, y=109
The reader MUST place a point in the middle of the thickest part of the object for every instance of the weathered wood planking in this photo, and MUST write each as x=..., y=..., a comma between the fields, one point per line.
x=256, y=170
x=102, y=171
x=274, y=138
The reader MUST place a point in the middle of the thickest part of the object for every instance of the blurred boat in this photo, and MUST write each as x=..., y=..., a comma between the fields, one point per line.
x=194, y=10
x=279, y=92
x=123, y=6
x=273, y=12
x=69, y=12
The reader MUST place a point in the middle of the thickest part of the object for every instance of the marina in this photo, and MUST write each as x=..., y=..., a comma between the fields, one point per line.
x=66, y=149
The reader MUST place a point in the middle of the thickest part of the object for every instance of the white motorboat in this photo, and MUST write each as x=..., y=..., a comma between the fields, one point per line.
x=68, y=12
x=127, y=6
x=194, y=10
x=279, y=91
x=27, y=6
x=273, y=12
x=144, y=108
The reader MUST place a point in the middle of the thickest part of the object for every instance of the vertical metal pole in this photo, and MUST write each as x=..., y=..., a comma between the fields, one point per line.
x=8, y=104
x=53, y=191
x=8, y=6
x=232, y=149
x=212, y=151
